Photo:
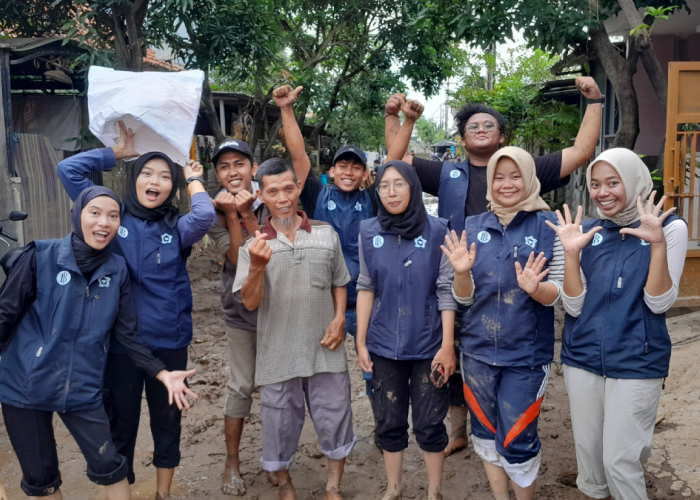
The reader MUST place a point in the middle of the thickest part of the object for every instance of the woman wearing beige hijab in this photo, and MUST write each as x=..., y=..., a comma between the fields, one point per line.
x=622, y=275
x=508, y=269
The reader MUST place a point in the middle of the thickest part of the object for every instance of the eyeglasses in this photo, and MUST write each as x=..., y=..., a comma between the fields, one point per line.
x=487, y=126
x=400, y=188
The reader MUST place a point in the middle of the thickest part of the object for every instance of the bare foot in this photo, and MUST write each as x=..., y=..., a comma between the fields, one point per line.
x=232, y=483
x=287, y=491
x=272, y=477
x=392, y=496
x=454, y=446
x=161, y=497
x=333, y=494
x=434, y=493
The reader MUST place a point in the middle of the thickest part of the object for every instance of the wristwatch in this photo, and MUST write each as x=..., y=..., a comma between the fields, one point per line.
x=190, y=180
x=600, y=100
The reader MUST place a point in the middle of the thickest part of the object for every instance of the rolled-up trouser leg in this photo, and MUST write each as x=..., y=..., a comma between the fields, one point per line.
x=282, y=413
x=241, y=357
x=330, y=407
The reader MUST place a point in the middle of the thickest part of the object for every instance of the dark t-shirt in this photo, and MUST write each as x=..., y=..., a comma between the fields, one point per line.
x=312, y=189
x=548, y=171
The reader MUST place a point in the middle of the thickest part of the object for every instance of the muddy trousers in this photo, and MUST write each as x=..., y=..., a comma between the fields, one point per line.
x=32, y=436
x=504, y=405
x=613, y=422
x=124, y=385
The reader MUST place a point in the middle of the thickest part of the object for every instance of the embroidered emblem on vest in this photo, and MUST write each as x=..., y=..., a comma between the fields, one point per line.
x=597, y=239
x=104, y=281
x=331, y=205
x=165, y=238
x=358, y=206
x=484, y=237
x=455, y=173
x=378, y=241
x=420, y=242
x=530, y=241
x=63, y=278
x=123, y=232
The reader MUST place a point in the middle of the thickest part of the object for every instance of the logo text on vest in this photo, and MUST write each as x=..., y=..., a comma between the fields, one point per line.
x=104, y=281
x=378, y=241
x=420, y=242
x=165, y=238
x=358, y=206
x=531, y=241
x=455, y=173
x=331, y=205
x=484, y=236
x=597, y=239
x=63, y=278
x=123, y=232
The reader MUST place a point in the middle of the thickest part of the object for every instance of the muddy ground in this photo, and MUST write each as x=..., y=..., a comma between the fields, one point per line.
x=672, y=471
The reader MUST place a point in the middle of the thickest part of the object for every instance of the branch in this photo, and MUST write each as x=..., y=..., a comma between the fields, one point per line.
x=320, y=55
x=572, y=60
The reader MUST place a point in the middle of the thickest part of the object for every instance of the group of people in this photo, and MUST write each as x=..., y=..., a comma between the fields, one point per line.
x=449, y=314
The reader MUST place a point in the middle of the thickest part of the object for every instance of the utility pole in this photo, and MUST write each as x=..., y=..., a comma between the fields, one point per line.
x=489, y=71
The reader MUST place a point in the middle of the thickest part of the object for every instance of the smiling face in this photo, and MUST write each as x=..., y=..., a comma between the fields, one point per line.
x=394, y=191
x=348, y=174
x=235, y=172
x=154, y=183
x=508, y=186
x=607, y=189
x=280, y=193
x=99, y=221
x=481, y=141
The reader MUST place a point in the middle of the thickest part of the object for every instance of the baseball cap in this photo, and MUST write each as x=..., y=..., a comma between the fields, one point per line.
x=354, y=151
x=231, y=145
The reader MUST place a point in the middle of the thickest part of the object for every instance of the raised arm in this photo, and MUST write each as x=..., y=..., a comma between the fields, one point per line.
x=589, y=132
x=285, y=97
x=412, y=110
x=194, y=225
x=392, y=124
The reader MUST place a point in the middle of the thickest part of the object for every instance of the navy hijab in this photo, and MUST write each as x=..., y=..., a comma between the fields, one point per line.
x=88, y=258
x=411, y=222
x=167, y=211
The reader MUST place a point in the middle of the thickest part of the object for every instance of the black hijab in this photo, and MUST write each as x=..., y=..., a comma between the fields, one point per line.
x=88, y=258
x=167, y=210
x=411, y=222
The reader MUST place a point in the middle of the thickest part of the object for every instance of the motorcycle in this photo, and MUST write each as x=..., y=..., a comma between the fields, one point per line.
x=8, y=259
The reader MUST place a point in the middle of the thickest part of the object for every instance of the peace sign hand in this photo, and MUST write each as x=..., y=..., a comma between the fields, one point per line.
x=570, y=235
x=530, y=278
x=652, y=220
x=461, y=258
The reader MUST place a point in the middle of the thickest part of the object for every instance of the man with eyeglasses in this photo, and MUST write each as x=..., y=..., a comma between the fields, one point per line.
x=461, y=186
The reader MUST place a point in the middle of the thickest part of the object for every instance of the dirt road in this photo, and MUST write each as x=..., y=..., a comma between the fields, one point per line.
x=672, y=472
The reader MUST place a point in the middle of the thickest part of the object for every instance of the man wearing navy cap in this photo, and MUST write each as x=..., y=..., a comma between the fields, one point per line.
x=343, y=205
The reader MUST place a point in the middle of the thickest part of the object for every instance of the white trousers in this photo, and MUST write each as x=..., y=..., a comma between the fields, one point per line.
x=613, y=422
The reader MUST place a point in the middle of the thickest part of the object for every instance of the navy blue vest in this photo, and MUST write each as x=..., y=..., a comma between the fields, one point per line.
x=405, y=322
x=616, y=334
x=56, y=360
x=344, y=211
x=452, y=194
x=159, y=280
x=505, y=326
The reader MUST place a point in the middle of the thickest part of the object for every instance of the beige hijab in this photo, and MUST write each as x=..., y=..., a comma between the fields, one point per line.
x=532, y=201
x=635, y=178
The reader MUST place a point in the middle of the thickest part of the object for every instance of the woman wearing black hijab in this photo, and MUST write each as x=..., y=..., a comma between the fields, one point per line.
x=59, y=306
x=405, y=323
x=154, y=239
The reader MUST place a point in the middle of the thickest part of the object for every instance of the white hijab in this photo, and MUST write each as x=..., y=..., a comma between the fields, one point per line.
x=635, y=178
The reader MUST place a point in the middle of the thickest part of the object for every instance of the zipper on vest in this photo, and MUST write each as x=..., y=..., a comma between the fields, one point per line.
x=159, y=258
x=399, y=239
x=619, y=282
x=38, y=353
x=87, y=291
x=515, y=250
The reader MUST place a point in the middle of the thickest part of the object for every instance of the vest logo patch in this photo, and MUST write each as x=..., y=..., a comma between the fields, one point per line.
x=165, y=238
x=123, y=232
x=420, y=242
x=644, y=243
x=358, y=206
x=455, y=173
x=484, y=237
x=104, y=281
x=378, y=241
x=597, y=239
x=63, y=278
x=531, y=241
x=331, y=205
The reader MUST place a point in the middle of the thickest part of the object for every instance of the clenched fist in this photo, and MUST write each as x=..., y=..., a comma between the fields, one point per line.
x=588, y=87
x=285, y=96
x=393, y=105
x=412, y=110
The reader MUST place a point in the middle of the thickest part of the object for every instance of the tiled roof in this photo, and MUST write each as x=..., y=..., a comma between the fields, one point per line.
x=152, y=60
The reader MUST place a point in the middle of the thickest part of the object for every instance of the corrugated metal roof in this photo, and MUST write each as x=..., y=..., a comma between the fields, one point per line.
x=25, y=44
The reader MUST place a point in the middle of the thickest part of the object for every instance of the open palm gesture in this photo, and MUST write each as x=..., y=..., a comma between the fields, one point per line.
x=570, y=235
x=530, y=278
x=461, y=258
x=652, y=220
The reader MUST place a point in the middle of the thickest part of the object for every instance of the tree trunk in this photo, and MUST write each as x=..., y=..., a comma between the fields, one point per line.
x=318, y=130
x=273, y=138
x=210, y=110
x=620, y=72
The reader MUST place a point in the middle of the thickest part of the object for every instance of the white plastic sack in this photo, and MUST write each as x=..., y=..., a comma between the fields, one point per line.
x=161, y=108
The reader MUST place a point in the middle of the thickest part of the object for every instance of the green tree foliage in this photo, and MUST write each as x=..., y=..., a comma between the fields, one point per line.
x=429, y=132
x=533, y=123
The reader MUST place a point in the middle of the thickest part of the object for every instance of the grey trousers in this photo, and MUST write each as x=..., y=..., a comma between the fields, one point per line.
x=613, y=422
x=282, y=412
x=241, y=357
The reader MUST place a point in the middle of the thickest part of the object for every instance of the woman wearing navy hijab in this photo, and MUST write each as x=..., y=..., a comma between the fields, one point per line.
x=405, y=323
x=59, y=306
